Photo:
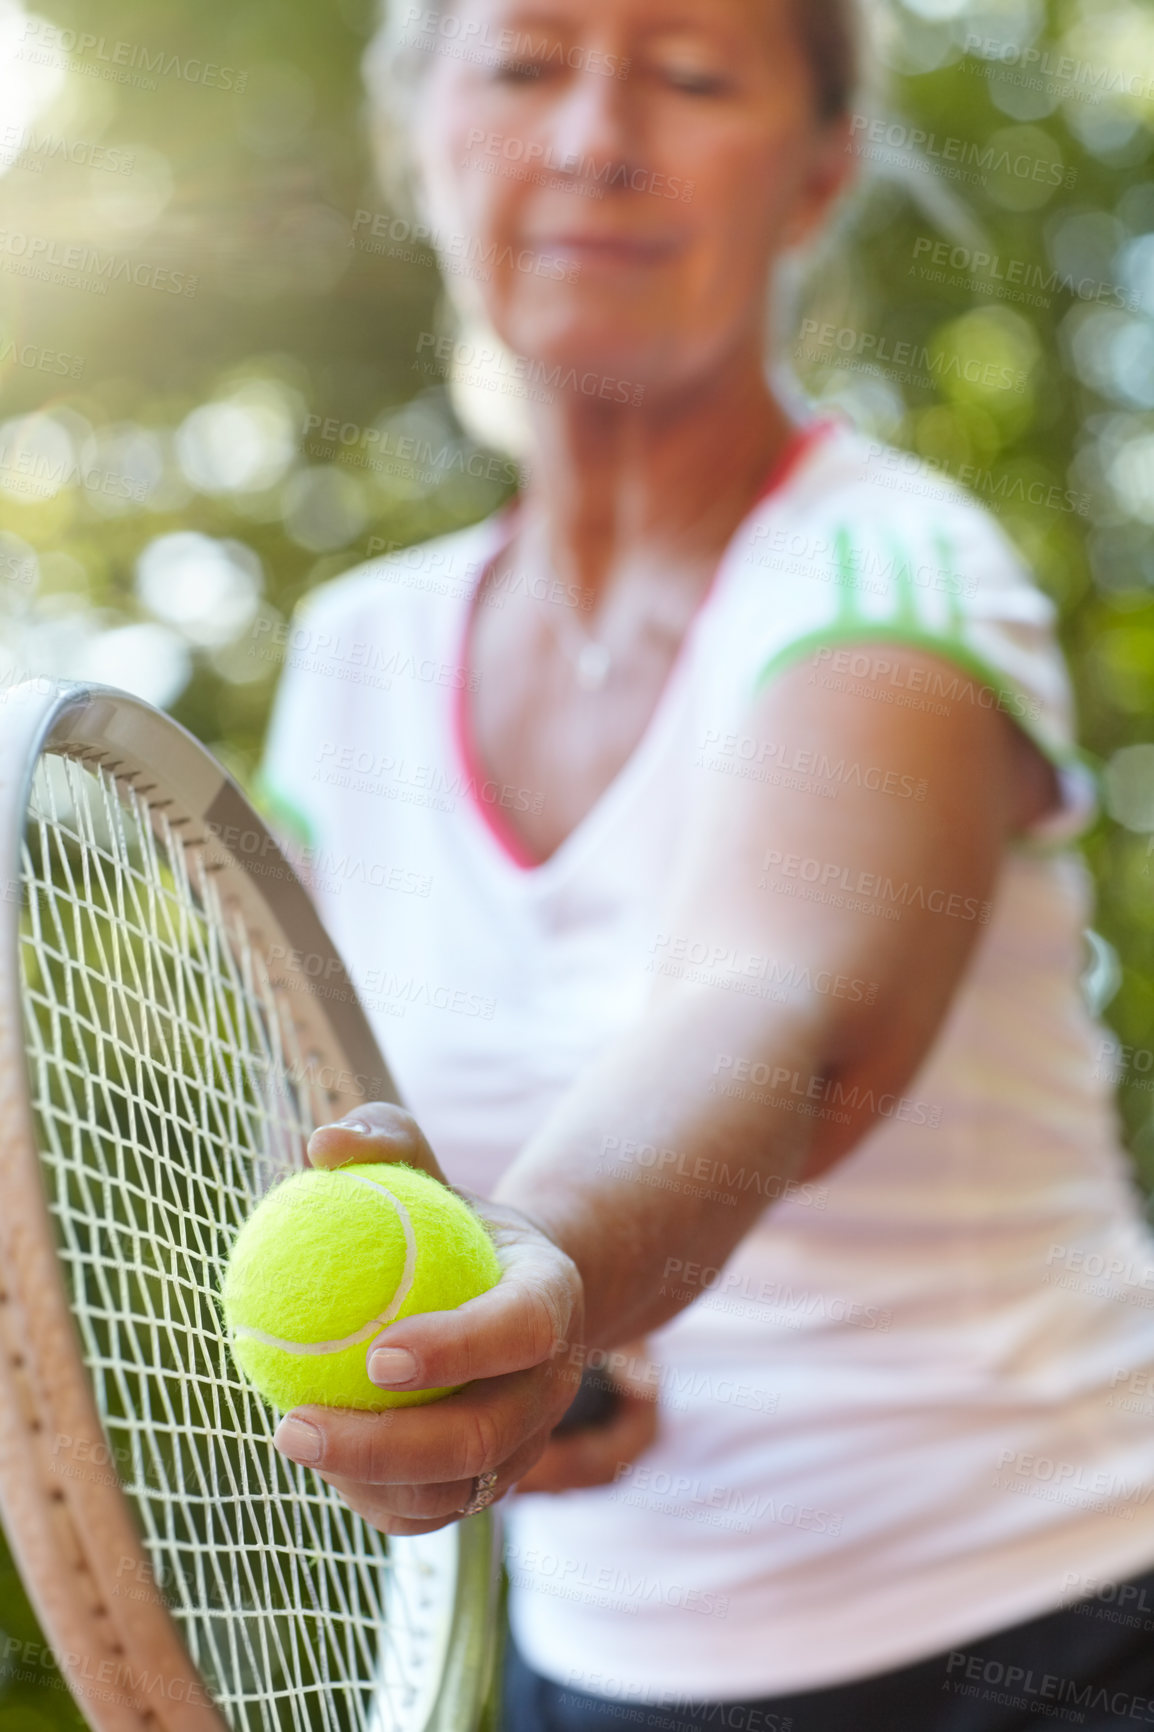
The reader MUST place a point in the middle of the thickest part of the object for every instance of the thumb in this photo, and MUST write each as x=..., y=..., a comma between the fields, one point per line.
x=377, y=1131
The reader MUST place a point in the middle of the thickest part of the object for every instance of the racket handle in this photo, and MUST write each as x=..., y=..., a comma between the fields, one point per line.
x=595, y=1403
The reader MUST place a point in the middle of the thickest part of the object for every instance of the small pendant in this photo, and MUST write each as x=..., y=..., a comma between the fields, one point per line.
x=593, y=665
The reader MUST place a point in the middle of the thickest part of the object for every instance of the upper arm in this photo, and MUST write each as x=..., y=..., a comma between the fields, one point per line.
x=860, y=885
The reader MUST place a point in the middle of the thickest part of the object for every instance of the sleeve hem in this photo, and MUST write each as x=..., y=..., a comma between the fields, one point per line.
x=1078, y=782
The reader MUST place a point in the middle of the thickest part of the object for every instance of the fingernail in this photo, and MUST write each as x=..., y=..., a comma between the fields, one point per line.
x=391, y=1366
x=299, y=1440
x=360, y=1125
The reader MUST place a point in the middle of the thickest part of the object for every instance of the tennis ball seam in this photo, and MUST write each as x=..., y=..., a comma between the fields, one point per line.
x=375, y=1324
x=315, y=1256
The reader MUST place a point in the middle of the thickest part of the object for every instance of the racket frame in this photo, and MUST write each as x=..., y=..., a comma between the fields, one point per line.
x=74, y=1536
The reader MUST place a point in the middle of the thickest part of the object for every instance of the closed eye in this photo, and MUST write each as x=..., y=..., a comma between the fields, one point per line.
x=519, y=71
x=694, y=81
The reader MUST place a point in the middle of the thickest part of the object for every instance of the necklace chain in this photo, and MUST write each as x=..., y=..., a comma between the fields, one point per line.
x=591, y=659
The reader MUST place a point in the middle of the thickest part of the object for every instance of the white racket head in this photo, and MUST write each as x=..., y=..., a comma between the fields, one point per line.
x=174, y=1021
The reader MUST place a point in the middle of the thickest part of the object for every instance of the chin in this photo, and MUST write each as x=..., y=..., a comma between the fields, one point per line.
x=600, y=346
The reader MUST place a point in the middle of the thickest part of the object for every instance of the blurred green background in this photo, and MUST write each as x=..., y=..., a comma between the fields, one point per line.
x=198, y=269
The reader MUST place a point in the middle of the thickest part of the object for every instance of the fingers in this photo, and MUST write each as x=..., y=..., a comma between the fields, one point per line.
x=401, y=1509
x=377, y=1131
x=403, y=1503
x=595, y=1455
x=473, y=1432
x=412, y=1470
x=515, y=1325
x=536, y=1304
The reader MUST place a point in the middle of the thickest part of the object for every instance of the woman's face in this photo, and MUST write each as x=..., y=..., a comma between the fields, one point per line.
x=612, y=179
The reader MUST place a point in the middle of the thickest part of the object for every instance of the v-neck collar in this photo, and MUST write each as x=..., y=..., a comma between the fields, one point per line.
x=502, y=843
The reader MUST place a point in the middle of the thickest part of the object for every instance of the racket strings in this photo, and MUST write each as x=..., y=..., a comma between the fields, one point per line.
x=170, y=1091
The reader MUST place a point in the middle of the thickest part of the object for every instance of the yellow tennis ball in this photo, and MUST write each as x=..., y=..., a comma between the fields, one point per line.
x=328, y=1260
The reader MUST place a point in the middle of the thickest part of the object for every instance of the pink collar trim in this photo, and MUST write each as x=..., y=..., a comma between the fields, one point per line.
x=478, y=779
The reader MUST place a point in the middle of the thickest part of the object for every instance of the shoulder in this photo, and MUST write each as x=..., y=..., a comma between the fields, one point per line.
x=868, y=548
x=871, y=533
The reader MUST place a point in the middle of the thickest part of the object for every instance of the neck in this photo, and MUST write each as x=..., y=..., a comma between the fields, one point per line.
x=612, y=488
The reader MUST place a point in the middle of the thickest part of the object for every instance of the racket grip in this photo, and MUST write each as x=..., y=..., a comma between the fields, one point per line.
x=595, y=1403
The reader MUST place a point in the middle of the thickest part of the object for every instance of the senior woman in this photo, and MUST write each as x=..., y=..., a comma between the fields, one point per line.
x=743, y=987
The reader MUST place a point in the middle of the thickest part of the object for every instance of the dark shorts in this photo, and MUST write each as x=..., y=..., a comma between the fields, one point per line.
x=1089, y=1666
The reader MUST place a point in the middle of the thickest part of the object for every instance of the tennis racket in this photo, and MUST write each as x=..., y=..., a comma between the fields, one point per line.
x=174, y=1022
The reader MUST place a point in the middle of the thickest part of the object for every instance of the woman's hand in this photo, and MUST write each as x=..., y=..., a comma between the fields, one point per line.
x=412, y=1470
x=596, y=1454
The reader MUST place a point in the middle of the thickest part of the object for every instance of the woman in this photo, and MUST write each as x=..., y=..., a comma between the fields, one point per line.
x=742, y=978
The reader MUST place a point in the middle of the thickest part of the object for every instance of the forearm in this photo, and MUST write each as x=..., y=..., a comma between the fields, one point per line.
x=664, y=1087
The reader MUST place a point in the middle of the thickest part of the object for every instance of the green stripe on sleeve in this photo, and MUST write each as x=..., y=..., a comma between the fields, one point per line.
x=955, y=623
x=906, y=614
x=836, y=636
x=842, y=634
x=848, y=600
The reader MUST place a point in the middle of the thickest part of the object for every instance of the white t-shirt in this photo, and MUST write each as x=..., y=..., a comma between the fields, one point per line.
x=906, y=1413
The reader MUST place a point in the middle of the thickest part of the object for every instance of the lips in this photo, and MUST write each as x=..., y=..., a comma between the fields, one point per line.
x=635, y=250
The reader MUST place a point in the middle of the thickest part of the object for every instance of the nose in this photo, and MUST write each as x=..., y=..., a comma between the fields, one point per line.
x=594, y=125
